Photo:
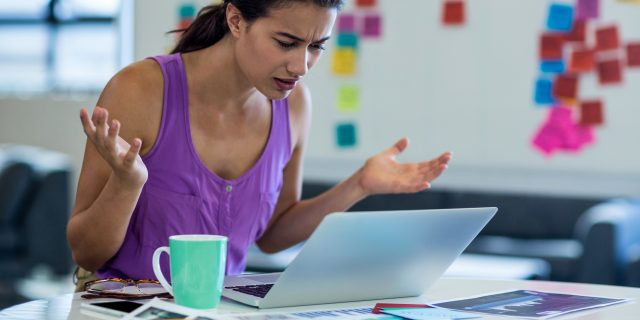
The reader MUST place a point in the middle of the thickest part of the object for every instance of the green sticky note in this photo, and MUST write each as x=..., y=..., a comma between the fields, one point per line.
x=348, y=98
x=348, y=40
x=346, y=135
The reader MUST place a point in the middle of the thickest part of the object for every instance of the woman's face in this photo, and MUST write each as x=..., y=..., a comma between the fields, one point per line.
x=276, y=51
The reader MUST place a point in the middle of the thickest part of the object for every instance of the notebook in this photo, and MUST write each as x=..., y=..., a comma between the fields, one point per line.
x=354, y=256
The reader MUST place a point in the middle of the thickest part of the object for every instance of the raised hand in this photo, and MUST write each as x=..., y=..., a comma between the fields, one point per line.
x=124, y=158
x=383, y=174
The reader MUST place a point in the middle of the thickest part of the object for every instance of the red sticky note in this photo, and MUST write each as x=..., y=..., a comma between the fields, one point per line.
x=551, y=46
x=633, y=54
x=565, y=86
x=453, y=12
x=379, y=306
x=607, y=38
x=610, y=71
x=582, y=60
x=578, y=32
x=365, y=3
x=591, y=113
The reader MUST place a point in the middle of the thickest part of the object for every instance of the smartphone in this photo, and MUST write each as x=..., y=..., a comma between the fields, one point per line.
x=111, y=308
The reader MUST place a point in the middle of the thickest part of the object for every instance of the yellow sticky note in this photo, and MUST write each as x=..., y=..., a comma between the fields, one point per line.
x=344, y=62
x=630, y=1
x=348, y=98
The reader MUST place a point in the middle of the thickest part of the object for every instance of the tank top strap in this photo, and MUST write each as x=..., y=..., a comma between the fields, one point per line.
x=174, y=124
x=281, y=131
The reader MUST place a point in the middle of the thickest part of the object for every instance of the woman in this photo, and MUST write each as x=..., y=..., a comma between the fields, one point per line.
x=216, y=133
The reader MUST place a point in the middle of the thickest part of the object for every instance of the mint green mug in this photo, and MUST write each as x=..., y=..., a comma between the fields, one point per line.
x=197, y=263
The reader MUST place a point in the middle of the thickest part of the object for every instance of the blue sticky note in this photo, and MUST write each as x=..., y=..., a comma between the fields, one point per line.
x=552, y=66
x=348, y=39
x=560, y=17
x=346, y=135
x=544, y=92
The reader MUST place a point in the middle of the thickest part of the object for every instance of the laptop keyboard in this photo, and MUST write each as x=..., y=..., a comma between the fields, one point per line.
x=259, y=290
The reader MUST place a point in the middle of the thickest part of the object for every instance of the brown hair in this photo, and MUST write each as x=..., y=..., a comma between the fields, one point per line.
x=210, y=25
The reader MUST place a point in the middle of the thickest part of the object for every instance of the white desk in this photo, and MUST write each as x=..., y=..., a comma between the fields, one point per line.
x=68, y=306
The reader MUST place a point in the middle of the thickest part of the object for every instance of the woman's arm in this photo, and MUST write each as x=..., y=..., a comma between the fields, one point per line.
x=294, y=220
x=112, y=173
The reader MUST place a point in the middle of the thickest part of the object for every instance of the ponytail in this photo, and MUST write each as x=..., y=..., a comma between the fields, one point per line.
x=208, y=28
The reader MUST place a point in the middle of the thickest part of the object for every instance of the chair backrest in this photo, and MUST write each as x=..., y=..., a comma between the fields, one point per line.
x=16, y=182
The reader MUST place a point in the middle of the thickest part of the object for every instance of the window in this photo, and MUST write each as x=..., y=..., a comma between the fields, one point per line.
x=58, y=45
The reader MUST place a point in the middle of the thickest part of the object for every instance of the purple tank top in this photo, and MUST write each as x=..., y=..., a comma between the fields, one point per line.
x=182, y=196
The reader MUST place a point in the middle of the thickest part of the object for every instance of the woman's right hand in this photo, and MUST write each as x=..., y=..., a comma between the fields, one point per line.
x=124, y=158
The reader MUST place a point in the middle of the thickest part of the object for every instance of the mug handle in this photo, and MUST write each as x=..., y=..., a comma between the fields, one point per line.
x=158, y=272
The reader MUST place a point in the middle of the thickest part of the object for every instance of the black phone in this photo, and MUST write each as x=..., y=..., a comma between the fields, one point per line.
x=116, y=308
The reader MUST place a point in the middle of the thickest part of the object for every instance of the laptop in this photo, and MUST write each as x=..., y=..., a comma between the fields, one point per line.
x=354, y=256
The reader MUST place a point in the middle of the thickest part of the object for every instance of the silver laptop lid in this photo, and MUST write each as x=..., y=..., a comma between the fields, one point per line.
x=376, y=255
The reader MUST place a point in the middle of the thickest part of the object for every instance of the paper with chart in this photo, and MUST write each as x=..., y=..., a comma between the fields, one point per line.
x=529, y=304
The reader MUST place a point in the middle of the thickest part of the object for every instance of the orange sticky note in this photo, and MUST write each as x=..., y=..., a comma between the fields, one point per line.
x=365, y=3
x=582, y=60
x=453, y=12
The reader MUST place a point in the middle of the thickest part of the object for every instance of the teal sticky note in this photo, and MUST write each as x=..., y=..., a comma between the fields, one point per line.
x=560, y=17
x=348, y=40
x=187, y=10
x=346, y=135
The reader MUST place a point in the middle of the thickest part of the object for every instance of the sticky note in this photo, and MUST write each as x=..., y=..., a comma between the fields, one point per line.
x=184, y=23
x=551, y=46
x=346, y=23
x=582, y=60
x=587, y=9
x=633, y=54
x=578, y=31
x=543, y=92
x=610, y=71
x=453, y=12
x=560, y=132
x=346, y=135
x=607, y=38
x=430, y=313
x=365, y=3
x=187, y=11
x=372, y=25
x=591, y=113
x=560, y=17
x=347, y=40
x=344, y=62
x=348, y=98
x=565, y=86
x=552, y=66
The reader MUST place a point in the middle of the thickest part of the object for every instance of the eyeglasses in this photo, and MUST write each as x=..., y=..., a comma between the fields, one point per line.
x=124, y=289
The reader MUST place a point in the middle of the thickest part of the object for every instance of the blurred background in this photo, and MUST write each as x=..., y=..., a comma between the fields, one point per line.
x=547, y=138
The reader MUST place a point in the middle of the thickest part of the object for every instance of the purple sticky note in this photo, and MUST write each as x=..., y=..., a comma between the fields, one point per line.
x=372, y=25
x=587, y=9
x=346, y=22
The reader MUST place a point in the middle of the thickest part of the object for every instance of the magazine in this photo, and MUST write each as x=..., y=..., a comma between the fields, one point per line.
x=529, y=304
x=158, y=309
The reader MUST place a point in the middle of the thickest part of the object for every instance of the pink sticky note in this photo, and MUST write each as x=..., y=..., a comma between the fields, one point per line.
x=346, y=22
x=372, y=25
x=587, y=9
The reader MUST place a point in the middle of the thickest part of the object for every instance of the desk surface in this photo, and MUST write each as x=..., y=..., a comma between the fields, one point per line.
x=68, y=306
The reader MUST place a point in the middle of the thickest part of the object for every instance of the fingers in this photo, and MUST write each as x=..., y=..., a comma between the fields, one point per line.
x=87, y=124
x=100, y=118
x=132, y=154
x=399, y=146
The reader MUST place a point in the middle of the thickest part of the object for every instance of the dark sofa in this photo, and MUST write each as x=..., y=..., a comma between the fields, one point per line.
x=580, y=240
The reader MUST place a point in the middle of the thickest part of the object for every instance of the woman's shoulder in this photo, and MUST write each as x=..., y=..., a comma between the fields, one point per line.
x=134, y=96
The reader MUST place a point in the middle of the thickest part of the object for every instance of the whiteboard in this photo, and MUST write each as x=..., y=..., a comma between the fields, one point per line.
x=470, y=90
x=465, y=89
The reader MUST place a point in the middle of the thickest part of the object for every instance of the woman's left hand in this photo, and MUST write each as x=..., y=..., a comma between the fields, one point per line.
x=383, y=174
